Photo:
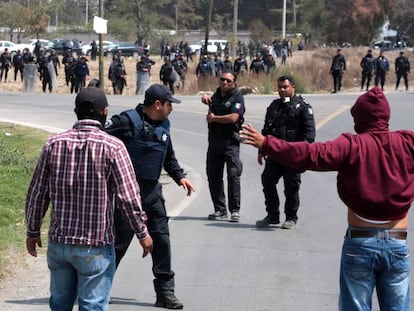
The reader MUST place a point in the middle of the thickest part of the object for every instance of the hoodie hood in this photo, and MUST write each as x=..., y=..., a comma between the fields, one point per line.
x=371, y=112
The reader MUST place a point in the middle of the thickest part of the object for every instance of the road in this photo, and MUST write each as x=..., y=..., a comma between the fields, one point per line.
x=222, y=265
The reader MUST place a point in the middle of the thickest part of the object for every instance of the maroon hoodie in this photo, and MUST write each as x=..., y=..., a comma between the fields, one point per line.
x=375, y=166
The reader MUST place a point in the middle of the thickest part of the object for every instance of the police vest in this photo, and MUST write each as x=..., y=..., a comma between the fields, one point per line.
x=223, y=106
x=148, y=147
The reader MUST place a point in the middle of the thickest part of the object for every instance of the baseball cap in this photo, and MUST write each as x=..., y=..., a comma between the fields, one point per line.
x=90, y=99
x=160, y=92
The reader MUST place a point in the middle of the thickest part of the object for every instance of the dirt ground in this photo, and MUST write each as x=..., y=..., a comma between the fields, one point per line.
x=312, y=66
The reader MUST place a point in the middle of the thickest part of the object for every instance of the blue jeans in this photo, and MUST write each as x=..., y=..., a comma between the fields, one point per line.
x=81, y=271
x=380, y=262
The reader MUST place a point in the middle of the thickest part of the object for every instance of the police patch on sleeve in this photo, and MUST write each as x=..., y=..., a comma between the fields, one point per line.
x=108, y=123
x=310, y=111
x=237, y=106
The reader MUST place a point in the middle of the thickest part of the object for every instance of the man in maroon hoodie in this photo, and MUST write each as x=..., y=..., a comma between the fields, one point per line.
x=376, y=182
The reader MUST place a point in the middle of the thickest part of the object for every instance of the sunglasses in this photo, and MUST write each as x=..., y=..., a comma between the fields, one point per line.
x=226, y=80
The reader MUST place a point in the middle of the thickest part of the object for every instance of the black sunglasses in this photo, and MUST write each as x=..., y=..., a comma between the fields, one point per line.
x=227, y=80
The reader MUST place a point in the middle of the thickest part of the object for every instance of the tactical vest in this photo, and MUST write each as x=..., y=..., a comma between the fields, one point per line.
x=223, y=106
x=148, y=147
x=284, y=120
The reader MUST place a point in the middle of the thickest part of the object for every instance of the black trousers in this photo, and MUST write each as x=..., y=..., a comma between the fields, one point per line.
x=337, y=80
x=153, y=204
x=270, y=177
x=403, y=75
x=224, y=151
x=366, y=77
x=380, y=79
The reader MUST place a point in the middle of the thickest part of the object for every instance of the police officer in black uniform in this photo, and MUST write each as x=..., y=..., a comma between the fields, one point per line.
x=145, y=131
x=367, y=65
x=225, y=117
x=18, y=65
x=338, y=67
x=402, y=69
x=290, y=118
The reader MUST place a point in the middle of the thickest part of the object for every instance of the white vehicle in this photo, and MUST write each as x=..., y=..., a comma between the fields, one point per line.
x=211, y=46
x=7, y=44
x=45, y=44
x=86, y=48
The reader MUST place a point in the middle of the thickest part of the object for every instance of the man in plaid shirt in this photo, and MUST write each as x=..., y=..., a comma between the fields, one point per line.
x=81, y=172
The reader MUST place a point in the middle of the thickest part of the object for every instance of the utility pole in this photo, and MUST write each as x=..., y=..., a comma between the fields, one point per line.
x=101, y=51
x=210, y=12
x=86, y=12
x=176, y=6
x=284, y=20
x=235, y=20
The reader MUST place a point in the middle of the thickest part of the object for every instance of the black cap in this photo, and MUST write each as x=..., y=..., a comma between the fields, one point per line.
x=159, y=92
x=90, y=99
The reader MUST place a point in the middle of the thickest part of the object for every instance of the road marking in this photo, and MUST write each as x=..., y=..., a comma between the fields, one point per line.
x=331, y=116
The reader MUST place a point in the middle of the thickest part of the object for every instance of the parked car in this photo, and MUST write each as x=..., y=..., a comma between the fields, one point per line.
x=7, y=44
x=86, y=48
x=60, y=46
x=44, y=43
x=211, y=46
x=387, y=45
x=126, y=48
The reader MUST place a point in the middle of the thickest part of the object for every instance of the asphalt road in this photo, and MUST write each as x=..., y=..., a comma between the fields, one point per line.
x=222, y=265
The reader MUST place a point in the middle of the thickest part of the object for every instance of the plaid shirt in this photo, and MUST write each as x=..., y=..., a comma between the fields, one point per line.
x=83, y=172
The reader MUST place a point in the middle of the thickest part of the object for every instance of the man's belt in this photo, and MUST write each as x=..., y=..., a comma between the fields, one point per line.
x=381, y=233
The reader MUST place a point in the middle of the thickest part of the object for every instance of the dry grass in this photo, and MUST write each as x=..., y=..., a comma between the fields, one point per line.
x=310, y=69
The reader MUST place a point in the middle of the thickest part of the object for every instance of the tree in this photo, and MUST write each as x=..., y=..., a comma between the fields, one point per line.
x=140, y=15
x=37, y=19
x=356, y=21
x=401, y=17
x=260, y=32
x=12, y=18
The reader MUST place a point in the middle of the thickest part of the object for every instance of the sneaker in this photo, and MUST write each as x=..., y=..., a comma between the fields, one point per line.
x=289, y=224
x=169, y=301
x=235, y=217
x=217, y=215
x=267, y=221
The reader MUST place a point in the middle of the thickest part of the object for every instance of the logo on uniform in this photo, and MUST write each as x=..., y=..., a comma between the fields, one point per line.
x=227, y=104
x=108, y=123
x=164, y=137
x=237, y=105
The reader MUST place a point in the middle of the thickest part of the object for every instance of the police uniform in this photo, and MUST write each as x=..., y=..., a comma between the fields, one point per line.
x=150, y=147
x=224, y=148
x=290, y=119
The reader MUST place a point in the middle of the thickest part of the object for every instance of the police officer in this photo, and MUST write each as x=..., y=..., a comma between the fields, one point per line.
x=166, y=74
x=145, y=131
x=257, y=66
x=5, y=61
x=240, y=64
x=367, y=66
x=338, y=67
x=18, y=65
x=402, y=69
x=289, y=118
x=224, y=118
x=381, y=67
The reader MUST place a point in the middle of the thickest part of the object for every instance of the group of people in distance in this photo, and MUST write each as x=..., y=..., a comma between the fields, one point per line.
x=372, y=67
x=97, y=209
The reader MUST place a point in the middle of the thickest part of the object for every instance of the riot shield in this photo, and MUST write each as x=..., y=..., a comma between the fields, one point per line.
x=52, y=75
x=175, y=77
x=143, y=81
x=29, y=77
